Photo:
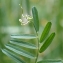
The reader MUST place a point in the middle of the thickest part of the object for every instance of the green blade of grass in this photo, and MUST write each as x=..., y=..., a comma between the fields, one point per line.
x=13, y=56
x=47, y=42
x=35, y=18
x=45, y=32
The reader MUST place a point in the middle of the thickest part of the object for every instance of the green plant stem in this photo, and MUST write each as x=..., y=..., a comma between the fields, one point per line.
x=37, y=49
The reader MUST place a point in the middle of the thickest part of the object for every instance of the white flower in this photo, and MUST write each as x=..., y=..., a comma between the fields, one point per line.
x=20, y=20
x=25, y=19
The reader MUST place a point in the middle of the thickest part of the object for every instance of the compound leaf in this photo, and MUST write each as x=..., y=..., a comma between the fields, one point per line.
x=13, y=56
x=47, y=42
x=45, y=31
x=35, y=18
x=23, y=36
x=23, y=44
x=19, y=51
x=50, y=61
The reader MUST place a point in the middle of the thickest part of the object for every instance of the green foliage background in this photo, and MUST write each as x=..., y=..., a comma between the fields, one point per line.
x=48, y=10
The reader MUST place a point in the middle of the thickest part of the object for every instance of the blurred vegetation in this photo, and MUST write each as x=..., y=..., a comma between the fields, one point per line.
x=48, y=10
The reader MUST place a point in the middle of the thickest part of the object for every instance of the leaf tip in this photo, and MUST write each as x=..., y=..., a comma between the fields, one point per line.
x=49, y=23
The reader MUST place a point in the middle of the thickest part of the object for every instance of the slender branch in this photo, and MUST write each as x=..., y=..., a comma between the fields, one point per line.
x=37, y=49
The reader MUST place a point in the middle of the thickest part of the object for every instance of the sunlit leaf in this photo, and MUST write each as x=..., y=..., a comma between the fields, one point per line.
x=13, y=56
x=35, y=18
x=47, y=42
x=45, y=31
x=20, y=51
x=23, y=36
x=50, y=61
x=23, y=44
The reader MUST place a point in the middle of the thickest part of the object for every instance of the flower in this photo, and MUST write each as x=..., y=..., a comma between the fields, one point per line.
x=25, y=19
